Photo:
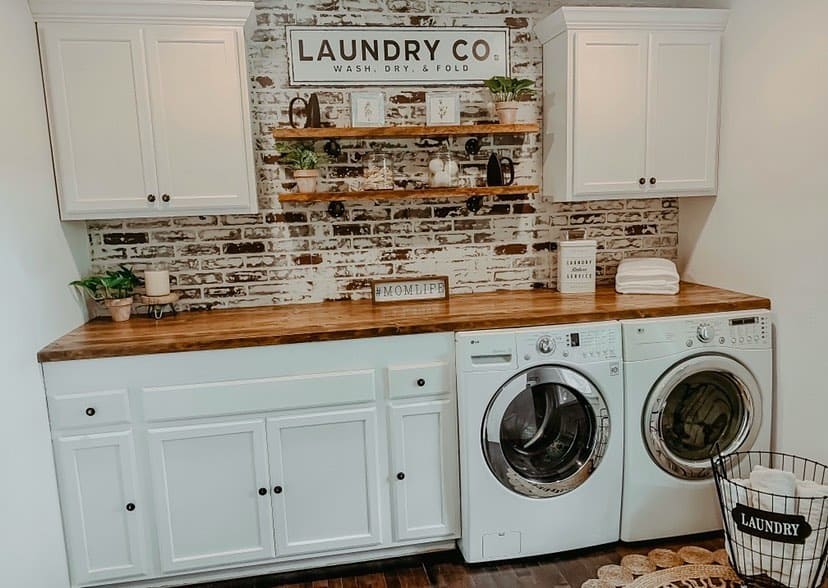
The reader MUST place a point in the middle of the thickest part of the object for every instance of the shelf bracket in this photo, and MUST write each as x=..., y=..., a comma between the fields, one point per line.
x=332, y=148
x=472, y=146
x=474, y=203
x=336, y=209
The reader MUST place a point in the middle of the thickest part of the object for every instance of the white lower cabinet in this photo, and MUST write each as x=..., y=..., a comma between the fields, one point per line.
x=325, y=482
x=425, y=469
x=211, y=494
x=102, y=510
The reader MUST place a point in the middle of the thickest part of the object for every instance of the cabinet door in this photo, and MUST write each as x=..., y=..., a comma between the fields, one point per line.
x=200, y=115
x=425, y=470
x=683, y=112
x=324, y=470
x=609, y=117
x=95, y=80
x=102, y=510
x=208, y=481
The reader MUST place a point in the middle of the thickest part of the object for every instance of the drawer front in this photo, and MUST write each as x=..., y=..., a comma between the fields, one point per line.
x=261, y=395
x=427, y=379
x=89, y=410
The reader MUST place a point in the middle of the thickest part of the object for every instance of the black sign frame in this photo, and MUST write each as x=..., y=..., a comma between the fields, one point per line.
x=765, y=523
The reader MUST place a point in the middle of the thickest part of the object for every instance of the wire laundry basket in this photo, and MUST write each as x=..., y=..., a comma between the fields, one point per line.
x=774, y=540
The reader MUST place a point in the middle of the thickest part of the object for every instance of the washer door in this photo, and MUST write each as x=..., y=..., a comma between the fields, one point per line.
x=545, y=431
x=699, y=404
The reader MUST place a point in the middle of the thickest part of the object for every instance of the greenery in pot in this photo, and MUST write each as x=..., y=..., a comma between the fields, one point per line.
x=114, y=288
x=304, y=160
x=505, y=89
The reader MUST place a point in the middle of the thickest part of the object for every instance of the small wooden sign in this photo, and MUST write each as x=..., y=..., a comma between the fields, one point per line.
x=409, y=289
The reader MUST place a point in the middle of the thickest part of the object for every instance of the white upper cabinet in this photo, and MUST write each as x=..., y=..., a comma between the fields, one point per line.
x=631, y=102
x=148, y=107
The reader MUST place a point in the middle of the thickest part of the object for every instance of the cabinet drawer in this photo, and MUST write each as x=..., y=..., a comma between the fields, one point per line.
x=427, y=379
x=89, y=410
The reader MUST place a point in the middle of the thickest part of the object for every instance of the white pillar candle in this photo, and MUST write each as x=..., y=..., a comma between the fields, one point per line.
x=157, y=282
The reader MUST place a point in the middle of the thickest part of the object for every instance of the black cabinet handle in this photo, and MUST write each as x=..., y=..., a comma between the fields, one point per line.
x=90, y=411
x=151, y=198
x=130, y=506
x=262, y=491
x=400, y=476
x=642, y=181
x=652, y=180
x=165, y=197
x=277, y=489
x=421, y=382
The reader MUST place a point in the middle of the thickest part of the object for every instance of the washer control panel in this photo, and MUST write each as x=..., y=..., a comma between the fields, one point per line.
x=742, y=332
x=574, y=344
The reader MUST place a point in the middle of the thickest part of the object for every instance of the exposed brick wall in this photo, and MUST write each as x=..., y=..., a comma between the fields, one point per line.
x=297, y=252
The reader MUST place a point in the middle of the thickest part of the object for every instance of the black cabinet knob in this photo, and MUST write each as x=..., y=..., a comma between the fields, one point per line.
x=642, y=181
x=130, y=506
x=165, y=197
x=90, y=411
x=652, y=180
x=400, y=476
x=277, y=489
x=421, y=382
x=262, y=491
x=151, y=198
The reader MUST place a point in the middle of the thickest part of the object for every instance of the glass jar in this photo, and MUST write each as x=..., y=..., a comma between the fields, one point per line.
x=443, y=169
x=377, y=172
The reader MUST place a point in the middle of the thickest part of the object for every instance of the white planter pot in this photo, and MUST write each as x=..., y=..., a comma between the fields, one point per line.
x=306, y=179
x=119, y=308
x=507, y=112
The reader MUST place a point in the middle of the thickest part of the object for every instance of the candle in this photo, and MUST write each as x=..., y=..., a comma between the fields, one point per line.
x=157, y=282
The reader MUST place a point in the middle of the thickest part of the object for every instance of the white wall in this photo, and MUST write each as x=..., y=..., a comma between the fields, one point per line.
x=36, y=306
x=767, y=231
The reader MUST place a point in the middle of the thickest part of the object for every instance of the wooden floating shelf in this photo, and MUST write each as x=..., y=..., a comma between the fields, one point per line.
x=404, y=131
x=403, y=194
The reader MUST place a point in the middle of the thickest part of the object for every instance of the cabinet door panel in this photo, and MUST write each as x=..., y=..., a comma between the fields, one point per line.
x=425, y=451
x=683, y=112
x=610, y=92
x=326, y=464
x=99, y=116
x=206, y=480
x=97, y=475
x=200, y=117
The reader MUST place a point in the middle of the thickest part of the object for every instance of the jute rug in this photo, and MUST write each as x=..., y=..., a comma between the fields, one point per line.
x=689, y=567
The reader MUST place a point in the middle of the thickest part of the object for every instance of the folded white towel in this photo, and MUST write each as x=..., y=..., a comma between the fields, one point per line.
x=736, y=492
x=646, y=268
x=816, y=513
x=776, y=559
x=647, y=288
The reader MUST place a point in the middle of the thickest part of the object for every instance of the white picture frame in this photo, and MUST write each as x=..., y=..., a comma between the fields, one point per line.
x=442, y=108
x=367, y=109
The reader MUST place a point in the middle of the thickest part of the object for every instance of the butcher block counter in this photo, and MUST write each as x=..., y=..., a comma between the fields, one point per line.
x=335, y=320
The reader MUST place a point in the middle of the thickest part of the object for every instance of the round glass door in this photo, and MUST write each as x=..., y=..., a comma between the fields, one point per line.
x=545, y=431
x=702, y=405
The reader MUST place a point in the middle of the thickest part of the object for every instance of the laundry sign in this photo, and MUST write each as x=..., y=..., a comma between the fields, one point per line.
x=412, y=56
x=773, y=526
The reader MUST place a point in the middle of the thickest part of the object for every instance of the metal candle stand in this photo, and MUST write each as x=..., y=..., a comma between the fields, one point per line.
x=157, y=306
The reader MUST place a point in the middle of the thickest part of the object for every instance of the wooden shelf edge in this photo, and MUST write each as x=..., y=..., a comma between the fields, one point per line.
x=403, y=131
x=403, y=194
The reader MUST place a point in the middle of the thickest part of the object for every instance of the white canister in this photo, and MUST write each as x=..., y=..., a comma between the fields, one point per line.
x=576, y=266
x=157, y=282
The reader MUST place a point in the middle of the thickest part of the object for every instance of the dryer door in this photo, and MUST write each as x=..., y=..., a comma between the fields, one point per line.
x=699, y=404
x=545, y=431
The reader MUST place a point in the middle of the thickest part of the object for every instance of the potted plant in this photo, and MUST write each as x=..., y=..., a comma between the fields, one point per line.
x=114, y=289
x=304, y=160
x=507, y=92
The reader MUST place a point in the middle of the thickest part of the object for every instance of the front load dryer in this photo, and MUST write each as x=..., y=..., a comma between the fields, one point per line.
x=541, y=439
x=692, y=384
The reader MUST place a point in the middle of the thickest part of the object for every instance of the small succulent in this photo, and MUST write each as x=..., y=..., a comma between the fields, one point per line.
x=299, y=156
x=505, y=89
x=120, y=283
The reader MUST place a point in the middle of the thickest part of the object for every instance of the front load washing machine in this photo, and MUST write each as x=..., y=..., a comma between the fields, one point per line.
x=692, y=384
x=541, y=439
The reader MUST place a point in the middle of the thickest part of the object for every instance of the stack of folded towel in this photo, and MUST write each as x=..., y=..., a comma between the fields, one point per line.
x=647, y=275
x=790, y=564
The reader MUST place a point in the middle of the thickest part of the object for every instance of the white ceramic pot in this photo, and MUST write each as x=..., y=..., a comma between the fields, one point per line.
x=119, y=308
x=306, y=179
x=507, y=112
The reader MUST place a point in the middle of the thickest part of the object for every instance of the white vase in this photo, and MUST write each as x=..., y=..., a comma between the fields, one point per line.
x=507, y=112
x=306, y=179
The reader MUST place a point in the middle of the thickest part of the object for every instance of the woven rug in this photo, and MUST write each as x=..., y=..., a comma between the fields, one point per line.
x=689, y=567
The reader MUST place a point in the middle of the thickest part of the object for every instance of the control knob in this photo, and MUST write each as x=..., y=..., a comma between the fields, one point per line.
x=546, y=345
x=705, y=333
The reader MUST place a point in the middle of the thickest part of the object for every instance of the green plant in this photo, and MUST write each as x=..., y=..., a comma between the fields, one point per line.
x=299, y=156
x=510, y=89
x=120, y=283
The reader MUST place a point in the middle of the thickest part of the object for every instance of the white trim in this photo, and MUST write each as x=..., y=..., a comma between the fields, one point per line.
x=572, y=18
x=216, y=12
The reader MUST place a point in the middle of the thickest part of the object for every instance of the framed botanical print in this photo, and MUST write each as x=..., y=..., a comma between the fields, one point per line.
x=367, y=109
x=443, y=108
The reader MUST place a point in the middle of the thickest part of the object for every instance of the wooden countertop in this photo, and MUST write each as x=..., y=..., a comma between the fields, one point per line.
x=326, y=321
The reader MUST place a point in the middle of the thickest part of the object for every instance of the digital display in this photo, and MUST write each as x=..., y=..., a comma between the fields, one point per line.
x=574, y=340
x=743, y=321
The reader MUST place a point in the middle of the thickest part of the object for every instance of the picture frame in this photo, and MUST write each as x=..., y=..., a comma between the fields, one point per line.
x=412, y=289
x=442, y=108
x=367, y=109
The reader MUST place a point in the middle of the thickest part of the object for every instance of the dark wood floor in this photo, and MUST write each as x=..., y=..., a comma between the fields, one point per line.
x=563, y=570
